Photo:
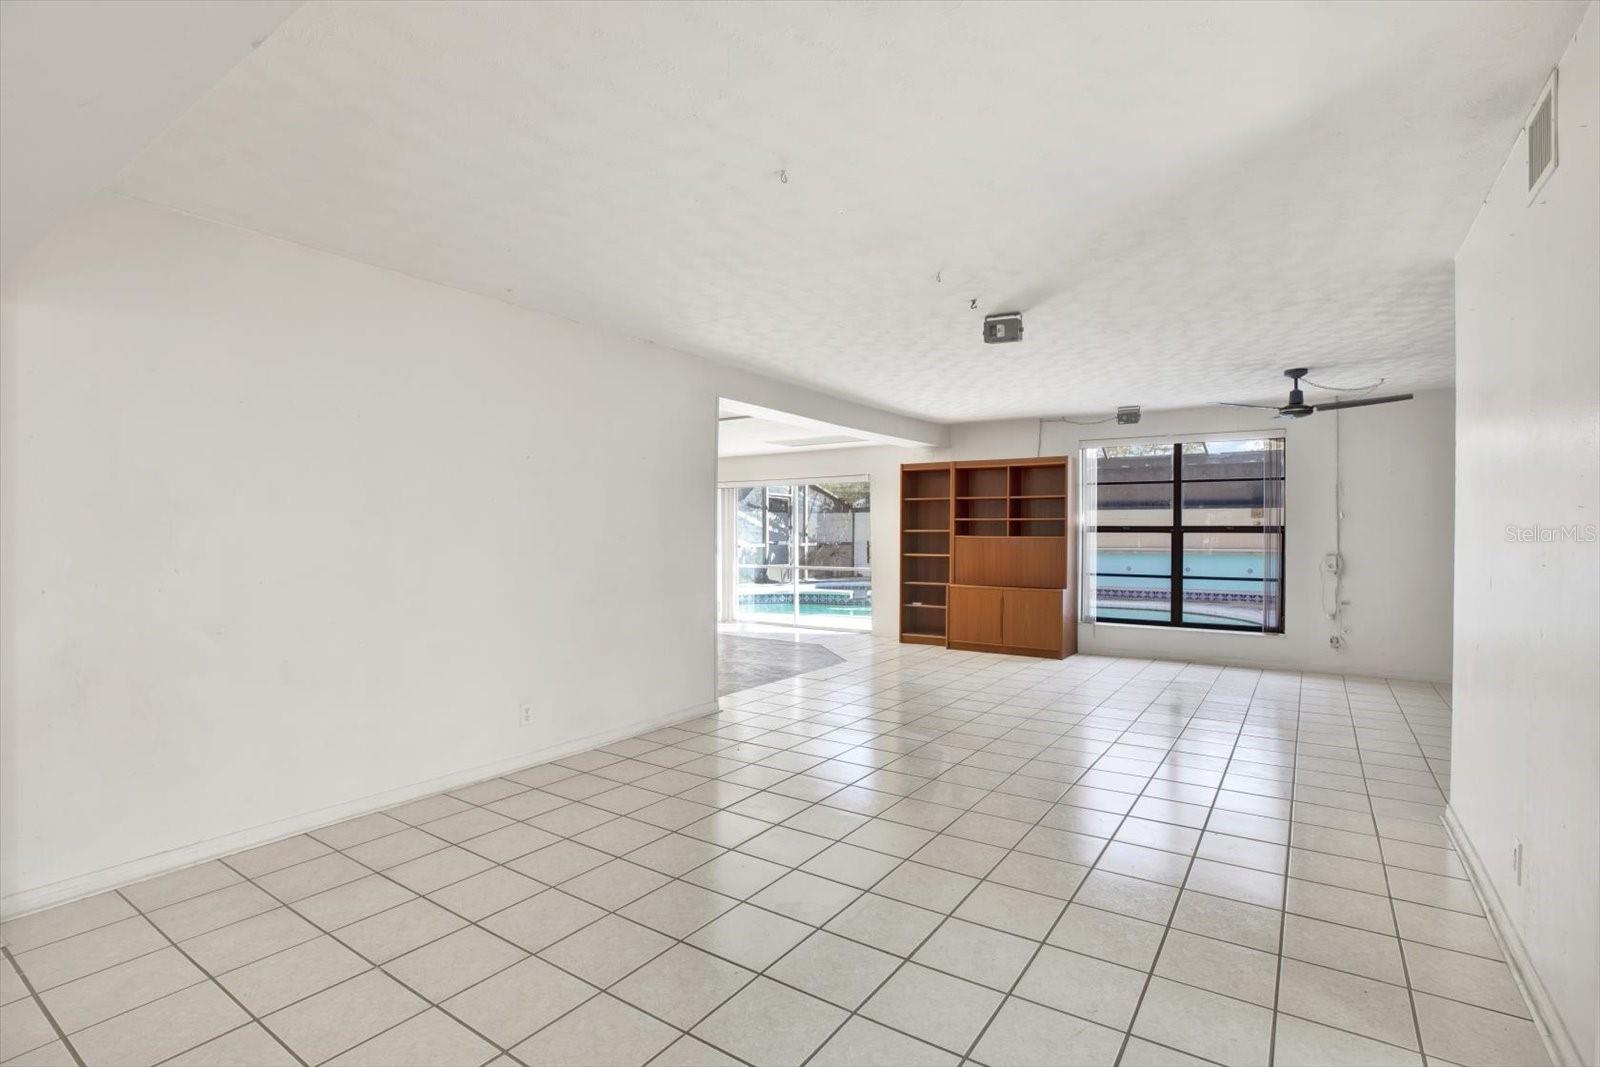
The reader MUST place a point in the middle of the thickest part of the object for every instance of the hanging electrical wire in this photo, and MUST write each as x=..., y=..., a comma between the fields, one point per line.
x=1345, y=388
x=1039, y=445
x=1333, y=568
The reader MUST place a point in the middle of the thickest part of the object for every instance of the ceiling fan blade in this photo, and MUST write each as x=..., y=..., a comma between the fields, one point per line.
x=1367, y=402
x=1231, y=404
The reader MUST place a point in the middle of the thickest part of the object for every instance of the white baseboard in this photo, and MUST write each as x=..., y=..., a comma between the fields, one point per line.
x=1558, y=1043
x=23, y=901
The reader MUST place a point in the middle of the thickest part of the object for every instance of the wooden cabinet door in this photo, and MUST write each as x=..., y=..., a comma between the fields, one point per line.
x=975, y=615
x=1031, y=562
x=1032, y=618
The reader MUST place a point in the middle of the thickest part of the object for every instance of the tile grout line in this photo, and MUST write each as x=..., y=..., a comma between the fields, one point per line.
x=1426, y=760
x=423, y=828
x=1166, y=930
x=1207, y=937
x=614, y=816
x=907, y=958
x=1014, y=719
x=216, y=978
x=667, y=832
x=1394, y=916
x=1288, y=861
x=1088, y=870
x=372, y=966
x=249, y=1015
x=755, y=975
x=61, y=1034
x=860, y=892
x=1121, y=822
x=947, y=916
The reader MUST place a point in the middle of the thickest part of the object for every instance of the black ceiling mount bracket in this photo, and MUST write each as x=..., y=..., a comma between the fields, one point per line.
x=1002, y=328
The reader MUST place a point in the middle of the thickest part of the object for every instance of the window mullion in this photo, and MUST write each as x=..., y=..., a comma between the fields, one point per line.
x=1175, y=536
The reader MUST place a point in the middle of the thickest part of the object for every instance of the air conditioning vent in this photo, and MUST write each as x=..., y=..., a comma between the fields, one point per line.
x=1541, y=131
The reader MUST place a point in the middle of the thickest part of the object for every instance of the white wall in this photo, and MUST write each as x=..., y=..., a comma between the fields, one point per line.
x=1526, y=752
x=285, y=535
x=1397, y=464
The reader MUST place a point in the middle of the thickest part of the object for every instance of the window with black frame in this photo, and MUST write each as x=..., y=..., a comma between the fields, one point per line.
x=1185, y=533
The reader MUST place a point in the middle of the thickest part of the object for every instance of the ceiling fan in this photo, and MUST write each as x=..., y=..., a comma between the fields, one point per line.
x=1297, y=408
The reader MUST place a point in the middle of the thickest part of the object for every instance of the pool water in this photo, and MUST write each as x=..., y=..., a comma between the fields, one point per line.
x=1233, y=572
x=1229, y=572
x=849, y=609
x=1236, y=594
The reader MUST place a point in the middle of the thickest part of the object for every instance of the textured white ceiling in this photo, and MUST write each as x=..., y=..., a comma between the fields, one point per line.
x=750, y=436
x=85, y=85
x=1183, y=198
x=745, y=429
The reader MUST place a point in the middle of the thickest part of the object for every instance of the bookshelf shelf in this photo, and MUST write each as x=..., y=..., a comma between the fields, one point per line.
x=926, y=533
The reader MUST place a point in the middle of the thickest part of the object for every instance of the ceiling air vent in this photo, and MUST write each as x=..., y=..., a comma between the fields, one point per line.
x=1542, y=139
x=813, y=442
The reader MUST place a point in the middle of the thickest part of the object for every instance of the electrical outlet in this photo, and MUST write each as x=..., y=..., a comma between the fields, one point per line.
x=1516, y=860
x=525, y=716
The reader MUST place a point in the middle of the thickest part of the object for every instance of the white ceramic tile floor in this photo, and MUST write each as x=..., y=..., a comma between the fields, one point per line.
x=913, y=856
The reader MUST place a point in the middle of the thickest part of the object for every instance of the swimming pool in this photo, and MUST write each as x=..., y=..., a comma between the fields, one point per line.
x=1227, y=572
x=829, y=598
x=1231, y=594
x=856, y=610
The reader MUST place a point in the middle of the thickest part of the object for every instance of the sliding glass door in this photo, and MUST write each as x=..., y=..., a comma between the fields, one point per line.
x=764, y=557
x=833, y=545
x=799, y=553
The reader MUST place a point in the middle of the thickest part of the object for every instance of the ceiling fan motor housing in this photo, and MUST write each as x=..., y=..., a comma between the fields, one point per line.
x=1296, y=408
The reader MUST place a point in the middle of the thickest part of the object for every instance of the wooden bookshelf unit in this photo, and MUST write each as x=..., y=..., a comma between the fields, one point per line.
x=986, y=549
x=925, y=535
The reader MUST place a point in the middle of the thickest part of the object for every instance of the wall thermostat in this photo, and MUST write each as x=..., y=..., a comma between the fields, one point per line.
x=1002, y=328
